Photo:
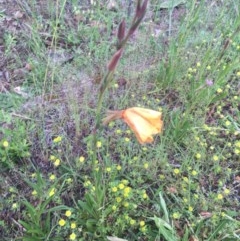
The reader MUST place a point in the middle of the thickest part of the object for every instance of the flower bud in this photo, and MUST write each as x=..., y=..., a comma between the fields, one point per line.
x=121, y=30
x=113, y=62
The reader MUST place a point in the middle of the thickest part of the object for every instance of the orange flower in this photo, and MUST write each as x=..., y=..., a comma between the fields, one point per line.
x=144, y=122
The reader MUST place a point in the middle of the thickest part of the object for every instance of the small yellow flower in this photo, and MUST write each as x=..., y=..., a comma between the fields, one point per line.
x=185, y=179
x=5, y=144
x=226, y=191
x=57, y=162
x=143, y=229
x=87, y=183
x=132, y=222
x=52, y=192
x=197, y=138
x=237, y=144
x=69, y=180
x=238, y=73
x=111, y=124
x=118, y=199
x=81, y=159
x=52, y=177
x=68, y=213
x=119, y=167
x=219, y=90
x=198, y=64
x=127, y=190
x=236, y=151
x=198, y=156
x=194, y=173
x=99, y=144
x=14, y=205
x=161, y=176
x=62, y=222
x=34, y=192
x=190, y=208
x=176, y=215
x=219, y=196
x=127, y=139
x=176, y=171
x=227, y=123
x=72, y=236
x=125, y=182
x=208, y=67
x=118, y=131
x=114, y=189
x=108, y=169
x=141, y=223
x=215, y=158
x=121, y=186
x=145, y=196
x=125, y=204
x=196, y=196
x=57, y=139
x=52, y=158
x=73, y=225
x=33, y=175
x=114, y=207
x=145, y=165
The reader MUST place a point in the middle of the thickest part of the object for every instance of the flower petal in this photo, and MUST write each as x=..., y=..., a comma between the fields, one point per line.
x=143, y=122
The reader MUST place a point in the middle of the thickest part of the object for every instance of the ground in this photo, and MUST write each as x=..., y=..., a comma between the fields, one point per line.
x=183, y=60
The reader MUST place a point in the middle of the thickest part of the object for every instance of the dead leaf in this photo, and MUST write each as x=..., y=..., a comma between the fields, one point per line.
x=18, y=15
x=19, y=91
x=172, y=189
x=237, y=178
x=192, y=238
x=112, y=5
x=205, y=214
x=28, y=67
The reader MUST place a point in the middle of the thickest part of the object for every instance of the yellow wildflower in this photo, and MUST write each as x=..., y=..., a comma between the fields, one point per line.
x=57, y=139
x=68, y=213
x=5, y=144
x=52, y=192
x=73, y=225
x=72, y=236
x=62, y=222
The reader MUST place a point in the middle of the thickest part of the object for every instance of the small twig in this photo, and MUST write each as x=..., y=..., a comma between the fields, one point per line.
x=21, y=116
x=18, y=224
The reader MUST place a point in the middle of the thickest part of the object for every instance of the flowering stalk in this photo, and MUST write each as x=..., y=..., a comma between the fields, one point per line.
x=122, y=40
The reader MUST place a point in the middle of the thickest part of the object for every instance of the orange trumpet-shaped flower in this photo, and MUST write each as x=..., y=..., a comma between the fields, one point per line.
x=144, y=122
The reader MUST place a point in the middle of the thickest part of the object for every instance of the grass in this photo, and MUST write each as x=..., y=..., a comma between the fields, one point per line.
x=183, y=61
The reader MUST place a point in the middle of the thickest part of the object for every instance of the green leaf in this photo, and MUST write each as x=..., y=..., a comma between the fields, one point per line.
x=220, y=227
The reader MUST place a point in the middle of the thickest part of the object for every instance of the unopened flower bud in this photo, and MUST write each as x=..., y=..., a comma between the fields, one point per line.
x=113, y=62
x=121, y=30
